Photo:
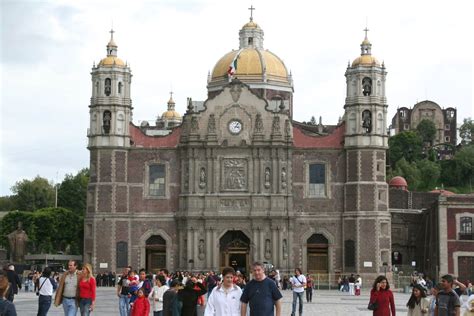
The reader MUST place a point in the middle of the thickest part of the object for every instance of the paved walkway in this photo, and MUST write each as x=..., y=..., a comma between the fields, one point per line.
x=324, y=303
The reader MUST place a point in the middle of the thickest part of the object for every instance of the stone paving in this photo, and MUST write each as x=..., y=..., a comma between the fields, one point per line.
x=324, y=303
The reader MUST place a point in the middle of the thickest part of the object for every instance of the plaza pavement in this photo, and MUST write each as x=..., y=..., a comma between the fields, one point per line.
x=325, y=302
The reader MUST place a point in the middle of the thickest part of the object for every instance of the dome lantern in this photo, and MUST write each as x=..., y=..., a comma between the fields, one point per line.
x=112, y=60
x=251, y=35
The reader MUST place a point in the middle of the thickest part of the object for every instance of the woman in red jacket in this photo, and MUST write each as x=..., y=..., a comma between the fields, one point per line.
x=87, y=287
x=382, y=297
x=141, y=306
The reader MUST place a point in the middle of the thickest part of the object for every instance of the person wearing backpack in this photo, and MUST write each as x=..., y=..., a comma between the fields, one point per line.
x=45, y=292
x=298, y=284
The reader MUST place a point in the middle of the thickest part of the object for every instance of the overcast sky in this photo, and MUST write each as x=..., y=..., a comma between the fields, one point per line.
x=48, y=48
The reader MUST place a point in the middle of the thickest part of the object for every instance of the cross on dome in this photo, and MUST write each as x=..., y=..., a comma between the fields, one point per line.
x=366, y=30
x=251, y=12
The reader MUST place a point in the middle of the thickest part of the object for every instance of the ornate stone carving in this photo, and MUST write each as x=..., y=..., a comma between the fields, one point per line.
x=283, y=178
x=194, y=124
x=258, y=124
x=235, y=91
x=211, y=125
x=268, y=251
x=202, y=253
x=186, y=176
x=235, y=203
x=235, y=174
x=267, y=178
x=202, y=178
x=276, y=125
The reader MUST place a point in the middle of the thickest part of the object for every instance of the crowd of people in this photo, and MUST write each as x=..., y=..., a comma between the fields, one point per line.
x=226, y=294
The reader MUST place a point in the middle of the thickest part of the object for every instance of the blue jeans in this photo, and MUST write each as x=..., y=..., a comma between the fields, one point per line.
x=297, y=296
x=124, y=305
x=44, y=303
x=69, y=306
x=85, y=305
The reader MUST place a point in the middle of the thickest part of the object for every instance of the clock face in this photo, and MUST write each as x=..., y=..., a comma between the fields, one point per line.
x=235, y=127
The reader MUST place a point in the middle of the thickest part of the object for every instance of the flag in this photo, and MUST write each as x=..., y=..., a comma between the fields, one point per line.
x=233, y=65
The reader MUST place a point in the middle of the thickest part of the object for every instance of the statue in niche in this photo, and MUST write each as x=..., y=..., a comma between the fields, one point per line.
x=276, y=125
x=186, y=177
x=202, y=178
x=285, y=249
x=235, y=91
x=283, y=178
x=17, y=241
x=267, y=178
x=367, y=86
x=194, y=124
x=106, y=121
x=268, y=252
x=201, y=249
x=367, y=121
x=211, y=126
x=258, y=124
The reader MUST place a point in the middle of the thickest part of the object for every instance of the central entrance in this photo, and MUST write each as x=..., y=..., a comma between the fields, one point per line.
x=234, y=249
x=155, y=253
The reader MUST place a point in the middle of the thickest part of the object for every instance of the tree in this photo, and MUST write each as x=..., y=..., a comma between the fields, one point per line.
x=466, y=131
x=7, y=203
x=33, y=194
x=72, y=193
x=464, y=160
x=427, y=130
x=406, y=145
x=409, y=171
x=429, y=174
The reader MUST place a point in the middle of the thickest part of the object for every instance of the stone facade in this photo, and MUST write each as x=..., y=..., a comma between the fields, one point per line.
x=239, y=180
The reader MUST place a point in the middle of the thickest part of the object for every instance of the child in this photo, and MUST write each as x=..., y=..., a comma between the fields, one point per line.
x=132, y=286
x=141, y=306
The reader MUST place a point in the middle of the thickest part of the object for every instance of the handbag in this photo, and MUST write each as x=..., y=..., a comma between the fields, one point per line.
x=38, y=292
x=373, y=306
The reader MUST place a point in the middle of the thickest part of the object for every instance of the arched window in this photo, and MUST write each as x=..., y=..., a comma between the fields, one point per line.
x=106, y=119
x=119, y=87
x=108, y=87
x=367, y=86
x=367, y=121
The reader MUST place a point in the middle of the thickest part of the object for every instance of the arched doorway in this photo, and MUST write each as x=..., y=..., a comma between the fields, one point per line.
x=318, y=259
x=234, y=249
x=155, y=253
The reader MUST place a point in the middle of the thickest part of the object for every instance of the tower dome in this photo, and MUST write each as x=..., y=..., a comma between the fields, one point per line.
x=366, y=59
x=253, y=65
x=111, y=60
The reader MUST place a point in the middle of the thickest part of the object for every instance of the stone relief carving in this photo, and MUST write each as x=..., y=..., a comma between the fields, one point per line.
x=211, y=125
x=258, y=124
x=267, y=178
x=276, y=125
x=283, y=178
x=235, y=174
x=202, y=178
x=202, y=253
x=235, y=92
x=194, y=124
x=235, y=203
x=268, y=251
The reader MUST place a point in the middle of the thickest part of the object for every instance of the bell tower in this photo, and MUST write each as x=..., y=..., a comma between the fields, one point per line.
x=111, y=106
x=366, y=234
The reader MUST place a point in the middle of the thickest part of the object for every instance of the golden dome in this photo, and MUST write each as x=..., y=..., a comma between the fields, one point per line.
x=111, y=61
x=365, y=60
x=251, y=64
x=250, y=25
x=171, y=115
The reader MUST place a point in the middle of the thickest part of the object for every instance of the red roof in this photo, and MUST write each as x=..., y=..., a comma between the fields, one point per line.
x=398, y=182
x=333, y=140
x=142, y=140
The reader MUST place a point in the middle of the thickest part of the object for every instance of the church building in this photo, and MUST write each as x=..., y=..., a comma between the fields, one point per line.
x=236, y=179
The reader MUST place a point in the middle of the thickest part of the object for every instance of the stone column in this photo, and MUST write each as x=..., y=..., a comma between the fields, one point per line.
x=190, y=247
x=255, y=242
x=275, y=246
x=262, y=245
x=215, y=250
x=208, y=248
x=195, y=248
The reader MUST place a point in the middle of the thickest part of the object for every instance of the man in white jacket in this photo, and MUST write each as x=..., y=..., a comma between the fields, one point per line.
x=224, y=299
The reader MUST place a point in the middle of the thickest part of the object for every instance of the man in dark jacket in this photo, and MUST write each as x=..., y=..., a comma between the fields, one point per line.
x=171, y=304
x=14, y=281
